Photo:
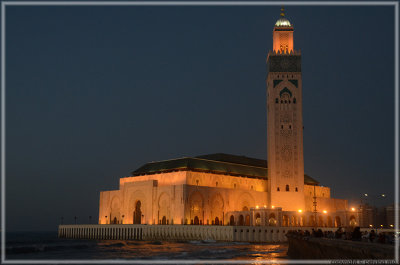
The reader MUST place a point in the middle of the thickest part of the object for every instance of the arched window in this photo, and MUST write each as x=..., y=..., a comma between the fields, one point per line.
x=296, y=189
x=287, y=187
x=278, y=189
x=216, y=184
x=276, y=100
x=294, y=100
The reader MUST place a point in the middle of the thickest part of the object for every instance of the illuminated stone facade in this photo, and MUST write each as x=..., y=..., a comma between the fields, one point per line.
x=221, y=189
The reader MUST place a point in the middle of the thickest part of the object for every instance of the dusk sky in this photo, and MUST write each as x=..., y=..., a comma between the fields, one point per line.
x=93, y=93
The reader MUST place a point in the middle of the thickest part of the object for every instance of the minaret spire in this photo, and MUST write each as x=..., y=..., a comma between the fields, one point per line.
x=282, y=11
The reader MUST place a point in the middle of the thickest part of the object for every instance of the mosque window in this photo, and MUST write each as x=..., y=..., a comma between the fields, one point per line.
x=296, y=189
x=290, y=126
x=294, y=100
x=278, y=189
x=234, y=185
x=216, y=184
x=251, y=187
x=285, y=101
x=287, y=187
x=197, y=182
x=281, y=101
x=281, y=126
x=276, y=100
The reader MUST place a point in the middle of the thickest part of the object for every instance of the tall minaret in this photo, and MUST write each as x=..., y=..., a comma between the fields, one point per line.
x=285, y=121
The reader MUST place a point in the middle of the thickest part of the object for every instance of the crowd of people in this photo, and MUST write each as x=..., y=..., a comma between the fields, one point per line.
x=348, y=233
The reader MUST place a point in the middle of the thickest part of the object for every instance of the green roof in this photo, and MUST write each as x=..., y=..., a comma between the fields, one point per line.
x=214, y=163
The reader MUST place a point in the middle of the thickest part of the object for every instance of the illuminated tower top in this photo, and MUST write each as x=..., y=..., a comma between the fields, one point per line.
x=283, y=35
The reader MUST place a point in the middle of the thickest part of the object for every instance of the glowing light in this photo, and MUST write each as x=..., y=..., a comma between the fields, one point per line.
x=300, y=210
x=257, y=207
x=365, y=194
x=370, y=225
x=391, y=225
x=353, y=209
x=324, y=211
x=381, y=225
x=383, y=195
x=273, y=207
x=265, y=206
x=283, y=22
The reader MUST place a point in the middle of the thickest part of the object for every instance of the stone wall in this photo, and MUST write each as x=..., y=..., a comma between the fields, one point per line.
x=323, y=248
x=174, y=232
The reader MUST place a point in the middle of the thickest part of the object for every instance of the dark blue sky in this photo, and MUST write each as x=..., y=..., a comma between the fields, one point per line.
x=95, y=92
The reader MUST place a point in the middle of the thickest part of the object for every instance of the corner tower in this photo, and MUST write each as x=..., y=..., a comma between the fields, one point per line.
x=285, y=121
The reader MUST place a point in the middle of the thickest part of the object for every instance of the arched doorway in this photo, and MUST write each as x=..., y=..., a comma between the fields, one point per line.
x=115, y=221
x=196, y=220
x=312, y=221
x=247, y=222
x=301, y=221
x=320, y=221
x=285, y=220
x=353, y=221
x=338, y=223
x=294, y=221
x=137, y=214
x=241, y=220
x=164, y=220
x=232, y=220
x=258, y=219
x=272, y=220
x=216, y=221
x=329, y=221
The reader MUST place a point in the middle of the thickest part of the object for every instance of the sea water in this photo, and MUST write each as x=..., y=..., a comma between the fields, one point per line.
x=46, y=245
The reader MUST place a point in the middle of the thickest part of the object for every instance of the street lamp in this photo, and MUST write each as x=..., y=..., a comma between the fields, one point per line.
x=372, y=197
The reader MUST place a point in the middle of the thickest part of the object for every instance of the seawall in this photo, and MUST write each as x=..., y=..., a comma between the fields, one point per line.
x=324, y=248
x=175, y=232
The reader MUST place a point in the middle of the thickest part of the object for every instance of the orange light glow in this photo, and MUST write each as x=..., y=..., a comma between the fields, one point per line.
x=353, y=209
x=283, y=41
x=257, y=207
x=273, y=207
x=300, y=210
x=325, y=211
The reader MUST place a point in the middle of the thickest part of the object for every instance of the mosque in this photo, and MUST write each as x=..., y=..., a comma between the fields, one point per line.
x=223, y=189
